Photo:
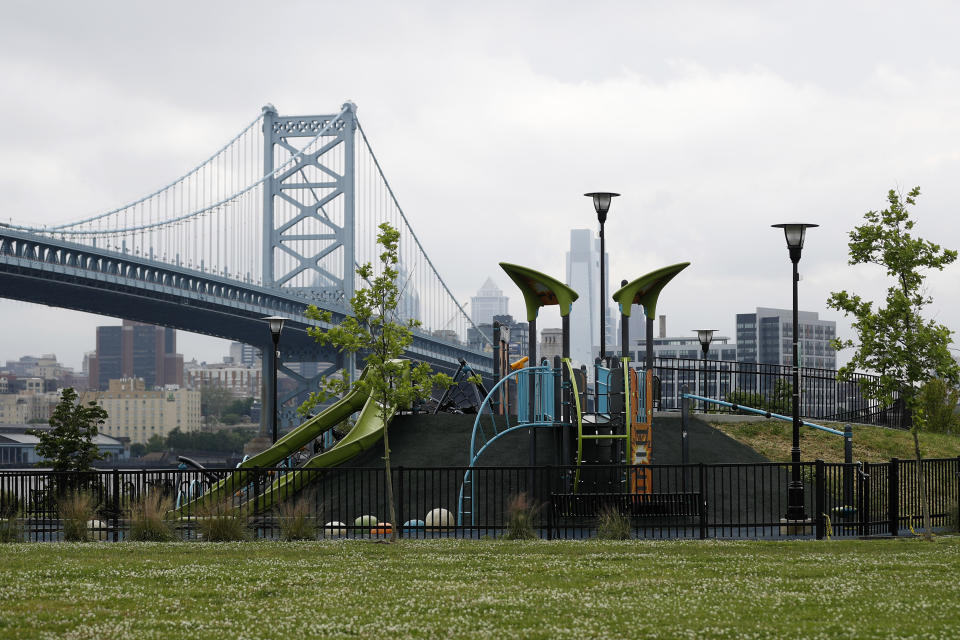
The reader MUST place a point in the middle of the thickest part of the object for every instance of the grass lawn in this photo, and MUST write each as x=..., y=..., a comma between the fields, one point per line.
x=772, y=439
x=479, y=589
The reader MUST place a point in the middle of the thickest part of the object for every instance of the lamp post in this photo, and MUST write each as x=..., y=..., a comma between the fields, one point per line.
x=795, y=233
x=705, y=336
x=601, y=203
x=276, y=326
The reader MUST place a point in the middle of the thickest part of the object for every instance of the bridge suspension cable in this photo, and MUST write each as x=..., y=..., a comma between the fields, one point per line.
x=210, y=219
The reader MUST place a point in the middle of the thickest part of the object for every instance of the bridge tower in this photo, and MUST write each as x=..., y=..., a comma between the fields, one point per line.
x=309, y=212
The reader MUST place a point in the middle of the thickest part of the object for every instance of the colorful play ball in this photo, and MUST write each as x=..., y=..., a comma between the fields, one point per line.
x=438, y=519
x=412, y=525
x=334, y=529
x=382, y=529
x=365, y=521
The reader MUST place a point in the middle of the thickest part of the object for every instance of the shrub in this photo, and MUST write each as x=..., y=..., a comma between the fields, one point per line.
x=613, y=525
x=521, y=514
x=953, y=519
x=10, y=530
x=10, y=504
x=148, y=520
x=296, y=522
x=76, y=509
x=220, y=522
x=939, y=402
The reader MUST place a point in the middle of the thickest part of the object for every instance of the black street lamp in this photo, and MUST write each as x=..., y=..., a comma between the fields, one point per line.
x=601, y=203
x=276, y=326
x=705, y=336
x=795, y=233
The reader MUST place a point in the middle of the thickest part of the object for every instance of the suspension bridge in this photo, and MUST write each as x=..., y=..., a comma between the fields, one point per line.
x=276, y=219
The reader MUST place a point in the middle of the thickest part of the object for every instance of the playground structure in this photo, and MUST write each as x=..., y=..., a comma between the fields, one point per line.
x=619, y=429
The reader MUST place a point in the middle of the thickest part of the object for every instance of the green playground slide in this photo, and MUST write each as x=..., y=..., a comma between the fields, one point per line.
x=365, y=433
x=298, y=438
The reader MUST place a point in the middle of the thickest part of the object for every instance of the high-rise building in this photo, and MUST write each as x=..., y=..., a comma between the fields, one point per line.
x=245, y=355
x=408, y=306
x=766, y=337
x=488, y=302
x=583, y=275
x=136, y=350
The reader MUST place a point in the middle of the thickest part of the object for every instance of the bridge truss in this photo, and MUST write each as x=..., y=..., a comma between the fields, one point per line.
x=276, y=219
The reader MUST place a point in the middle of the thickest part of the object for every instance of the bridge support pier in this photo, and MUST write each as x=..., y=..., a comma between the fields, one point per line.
x=303, y=372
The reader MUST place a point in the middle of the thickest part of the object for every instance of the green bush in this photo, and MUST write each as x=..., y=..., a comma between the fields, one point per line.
x=148, y=520
x=777, y=401
x=521, y=514
x=76, y=510
x=613, y=525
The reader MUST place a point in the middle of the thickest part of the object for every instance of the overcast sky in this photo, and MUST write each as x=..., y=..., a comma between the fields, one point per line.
x=713, y=119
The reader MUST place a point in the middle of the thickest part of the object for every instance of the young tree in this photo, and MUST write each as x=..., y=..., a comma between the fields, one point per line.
x=69, y=445
x=895, y=340
x=374, y=331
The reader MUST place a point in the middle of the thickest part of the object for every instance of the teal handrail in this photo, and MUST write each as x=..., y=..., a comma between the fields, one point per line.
x=767, y=414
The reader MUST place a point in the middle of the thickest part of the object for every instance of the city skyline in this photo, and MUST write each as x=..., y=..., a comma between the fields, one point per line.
x=713, y=122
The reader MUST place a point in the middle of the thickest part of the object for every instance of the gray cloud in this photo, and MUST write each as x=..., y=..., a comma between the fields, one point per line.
x=714, y=120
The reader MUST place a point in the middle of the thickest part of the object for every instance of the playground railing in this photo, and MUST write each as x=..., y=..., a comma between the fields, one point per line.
x=823, y=397
x=686, y=501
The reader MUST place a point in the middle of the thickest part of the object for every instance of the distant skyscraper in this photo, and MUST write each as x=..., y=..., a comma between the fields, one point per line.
x=583, y=275
x=488, y=302
x=767, y=337
x=408, y=307
x=136, y=350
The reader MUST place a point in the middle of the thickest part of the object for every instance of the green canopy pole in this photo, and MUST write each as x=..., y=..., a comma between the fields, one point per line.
x=539, y=290
x=644, y=291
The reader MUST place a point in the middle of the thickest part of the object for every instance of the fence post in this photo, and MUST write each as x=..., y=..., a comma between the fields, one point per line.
x=848, y=466
x=399, y=502
x=820, y=498
x=893, y=496
x=115, y=525
x=702, y=503
x=863, y=504
x=684, y=421
x=549, y=470
x=958, y=491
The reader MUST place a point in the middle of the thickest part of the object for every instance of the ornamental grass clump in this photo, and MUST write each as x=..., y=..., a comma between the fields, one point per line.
x=10, y=529
x=521, y=513
x=613, y=525
x=149, y=521
x=296, y=521
x=76, y=510
x=220, y=522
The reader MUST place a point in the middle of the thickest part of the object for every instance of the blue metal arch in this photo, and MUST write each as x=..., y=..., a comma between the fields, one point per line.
x=541, y=372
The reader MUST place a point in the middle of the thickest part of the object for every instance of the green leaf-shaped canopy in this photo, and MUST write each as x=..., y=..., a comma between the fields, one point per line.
x=540, y=290
x=646, y=289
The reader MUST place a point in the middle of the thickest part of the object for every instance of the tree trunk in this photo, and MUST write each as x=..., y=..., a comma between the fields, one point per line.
x=394, y=525
x=921, y=481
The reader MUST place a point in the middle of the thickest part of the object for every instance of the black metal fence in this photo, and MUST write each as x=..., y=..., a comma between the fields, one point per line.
x=687, y=501
x=770, y=387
